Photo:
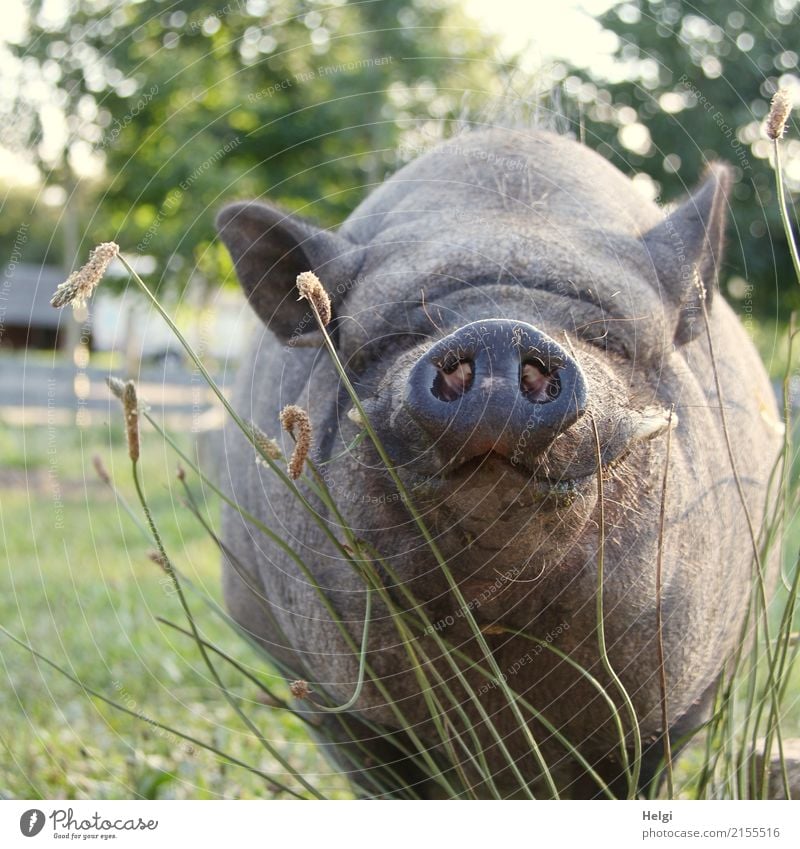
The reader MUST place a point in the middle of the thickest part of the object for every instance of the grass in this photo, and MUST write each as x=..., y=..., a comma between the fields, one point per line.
x=77, y=584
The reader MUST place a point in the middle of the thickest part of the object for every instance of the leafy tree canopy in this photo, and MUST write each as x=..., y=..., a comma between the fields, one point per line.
x=693, y=85
x=180, y=106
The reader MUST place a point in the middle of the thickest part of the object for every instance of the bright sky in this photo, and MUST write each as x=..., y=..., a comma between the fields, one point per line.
x=543, y=30
x=547, y=29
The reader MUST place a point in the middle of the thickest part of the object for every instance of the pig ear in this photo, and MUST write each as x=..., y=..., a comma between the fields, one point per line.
x=691, y=238
x=270, y=248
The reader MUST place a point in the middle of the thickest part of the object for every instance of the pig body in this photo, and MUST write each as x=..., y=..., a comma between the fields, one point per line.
x=503, y=253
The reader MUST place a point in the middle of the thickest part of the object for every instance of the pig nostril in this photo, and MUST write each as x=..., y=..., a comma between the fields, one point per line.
x=453, y=378
x=537, y=384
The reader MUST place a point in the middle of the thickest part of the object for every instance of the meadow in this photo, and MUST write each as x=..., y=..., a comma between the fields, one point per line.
x=78, y=585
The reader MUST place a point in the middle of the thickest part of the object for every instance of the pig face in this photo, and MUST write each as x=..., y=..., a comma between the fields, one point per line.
x=504, y=352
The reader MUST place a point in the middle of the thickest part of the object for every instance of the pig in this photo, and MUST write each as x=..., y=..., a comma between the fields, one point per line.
x=527, y=334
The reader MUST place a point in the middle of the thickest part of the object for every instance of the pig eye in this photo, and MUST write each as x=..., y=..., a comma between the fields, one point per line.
x=537, y=383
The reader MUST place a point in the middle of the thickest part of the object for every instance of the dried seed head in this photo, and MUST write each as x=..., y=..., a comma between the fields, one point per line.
x=780, y=109
x=309, y=287
x=158, y=558
x=265, y=445
x=300, y=689
x=652, y=422
x=296, y=422
x=355, y=417
x=100, y=468
x=116, y=386
x=78, y=287
x=130, y=406
x=697, y=282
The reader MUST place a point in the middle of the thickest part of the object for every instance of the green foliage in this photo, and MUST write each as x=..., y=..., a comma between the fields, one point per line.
x=699, y=78
x=203, y=101
x=30, y=225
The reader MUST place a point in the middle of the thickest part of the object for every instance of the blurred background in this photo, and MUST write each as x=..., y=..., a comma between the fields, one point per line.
x=135, y=122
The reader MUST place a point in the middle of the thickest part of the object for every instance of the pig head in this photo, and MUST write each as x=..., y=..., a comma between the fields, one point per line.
x=527, y=336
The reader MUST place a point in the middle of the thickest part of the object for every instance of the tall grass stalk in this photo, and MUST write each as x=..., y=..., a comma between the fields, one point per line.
x=440, y=560
x=662, y=667
x=173, y=575
x=417, y=618
x=633, y=771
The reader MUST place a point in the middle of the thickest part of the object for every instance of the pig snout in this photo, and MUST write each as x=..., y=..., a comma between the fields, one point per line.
x=496, y=386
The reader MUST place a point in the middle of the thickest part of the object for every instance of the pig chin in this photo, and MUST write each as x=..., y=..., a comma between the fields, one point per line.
x=491, y=514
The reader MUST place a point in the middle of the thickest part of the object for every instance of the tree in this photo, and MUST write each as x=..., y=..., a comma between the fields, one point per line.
x=693, y=84
x=191, y=103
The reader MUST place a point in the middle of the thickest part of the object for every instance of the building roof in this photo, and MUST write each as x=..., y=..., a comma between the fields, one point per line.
x=25, y=292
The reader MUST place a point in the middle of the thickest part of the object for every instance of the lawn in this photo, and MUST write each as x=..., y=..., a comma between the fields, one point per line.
x=77, y=585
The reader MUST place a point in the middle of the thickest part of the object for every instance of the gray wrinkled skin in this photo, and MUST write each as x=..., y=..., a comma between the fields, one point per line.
x=531, y=227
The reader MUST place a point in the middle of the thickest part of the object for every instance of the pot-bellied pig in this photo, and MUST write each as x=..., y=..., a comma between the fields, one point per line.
x=526, y=333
